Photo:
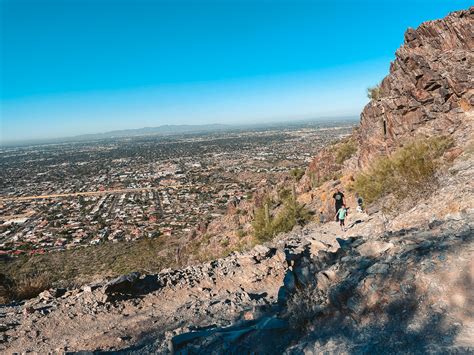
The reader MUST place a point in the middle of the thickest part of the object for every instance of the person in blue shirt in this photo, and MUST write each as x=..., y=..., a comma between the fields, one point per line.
x=341, y=216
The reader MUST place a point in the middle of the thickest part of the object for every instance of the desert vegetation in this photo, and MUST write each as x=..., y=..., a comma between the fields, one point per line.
x=409, y=170
x=374, y=92
x=297, y=174
x=290, y=214
x=345, y=150
x=26, y=276
x=23, y=288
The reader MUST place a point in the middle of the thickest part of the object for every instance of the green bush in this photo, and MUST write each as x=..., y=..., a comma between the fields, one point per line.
x=345, y=150
x=297, y=174
x=266, y=227
x=408, y=171
x=284, y=193
x=262, y=222
x=374, y=92
x=225, y=243
x=240, y=233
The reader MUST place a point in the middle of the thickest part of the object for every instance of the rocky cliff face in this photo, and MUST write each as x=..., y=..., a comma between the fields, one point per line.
x=428, y=90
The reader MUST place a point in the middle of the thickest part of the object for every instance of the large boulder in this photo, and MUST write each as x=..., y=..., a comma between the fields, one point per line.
x=125, y=284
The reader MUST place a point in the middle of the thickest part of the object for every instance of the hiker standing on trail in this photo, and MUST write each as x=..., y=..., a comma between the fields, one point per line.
x=321, y=217
x=360, y=203
x=339, y=199
x=341, y=215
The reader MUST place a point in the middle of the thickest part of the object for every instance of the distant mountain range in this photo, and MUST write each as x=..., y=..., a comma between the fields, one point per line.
x=169, y=130
x=160, y=130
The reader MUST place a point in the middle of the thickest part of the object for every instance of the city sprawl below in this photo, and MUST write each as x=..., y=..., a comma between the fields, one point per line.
x=74, y=194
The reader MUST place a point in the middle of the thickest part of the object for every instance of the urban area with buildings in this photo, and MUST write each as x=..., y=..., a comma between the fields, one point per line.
x=75, y=194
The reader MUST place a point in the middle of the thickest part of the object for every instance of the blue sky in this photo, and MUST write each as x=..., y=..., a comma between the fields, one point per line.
x=73, y=66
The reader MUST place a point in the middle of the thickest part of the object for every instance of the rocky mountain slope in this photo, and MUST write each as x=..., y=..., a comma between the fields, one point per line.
x=398, y=283
x=428, y=90
x=313, y=289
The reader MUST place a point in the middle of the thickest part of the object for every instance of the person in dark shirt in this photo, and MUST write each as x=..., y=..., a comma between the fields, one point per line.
x=339, y=199
x=321, y=217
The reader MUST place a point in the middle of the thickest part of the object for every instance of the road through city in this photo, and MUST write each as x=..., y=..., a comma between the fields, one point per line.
x=91, y=193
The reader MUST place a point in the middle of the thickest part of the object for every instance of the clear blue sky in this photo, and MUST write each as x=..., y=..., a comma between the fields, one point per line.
x=74, y=66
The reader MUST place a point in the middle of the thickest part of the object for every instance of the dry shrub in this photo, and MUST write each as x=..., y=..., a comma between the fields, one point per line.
x=407, y=172
x=374, y=92
x=345, y=150
x=6, y=287
x=32, y=286
x=266, y=226
x=469, y=150
x=304, y=306
x=24, y=288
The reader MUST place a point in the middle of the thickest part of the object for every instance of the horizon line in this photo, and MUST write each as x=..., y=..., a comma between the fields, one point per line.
x=70, y=138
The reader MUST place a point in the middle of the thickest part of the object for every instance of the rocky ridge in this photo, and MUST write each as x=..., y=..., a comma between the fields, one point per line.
x=428, y=92
x=428, y=89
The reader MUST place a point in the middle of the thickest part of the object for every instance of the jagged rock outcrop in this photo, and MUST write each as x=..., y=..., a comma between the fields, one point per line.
x=428, y=90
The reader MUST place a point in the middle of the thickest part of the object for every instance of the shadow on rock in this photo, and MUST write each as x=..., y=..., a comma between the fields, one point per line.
x=384, y=304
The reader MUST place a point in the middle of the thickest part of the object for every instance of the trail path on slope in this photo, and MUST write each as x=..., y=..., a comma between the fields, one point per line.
x=154, y=313
x=217, y=293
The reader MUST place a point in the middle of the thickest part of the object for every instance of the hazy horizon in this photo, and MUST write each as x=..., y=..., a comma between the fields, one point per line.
x=146, y=64
x=91, y=135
